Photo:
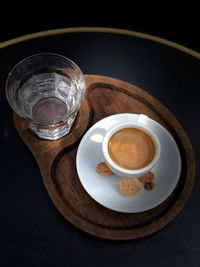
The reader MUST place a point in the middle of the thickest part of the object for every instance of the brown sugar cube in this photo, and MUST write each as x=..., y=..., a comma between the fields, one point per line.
x=148, y=177
x=129, y=186
x=102, y=168
x=149, y=185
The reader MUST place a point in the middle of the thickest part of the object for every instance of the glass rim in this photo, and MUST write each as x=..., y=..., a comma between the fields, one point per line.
x=22, y=61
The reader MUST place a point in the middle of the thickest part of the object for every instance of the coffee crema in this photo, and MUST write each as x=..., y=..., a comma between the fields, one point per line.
x=131, y=148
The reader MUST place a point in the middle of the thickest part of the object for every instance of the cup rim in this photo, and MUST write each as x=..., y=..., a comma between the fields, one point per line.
x=137, y=125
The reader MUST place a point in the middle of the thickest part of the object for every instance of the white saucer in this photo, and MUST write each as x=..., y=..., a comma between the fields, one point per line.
x=104, y=189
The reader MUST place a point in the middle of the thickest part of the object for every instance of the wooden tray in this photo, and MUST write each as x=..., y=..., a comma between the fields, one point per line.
x=56, y=159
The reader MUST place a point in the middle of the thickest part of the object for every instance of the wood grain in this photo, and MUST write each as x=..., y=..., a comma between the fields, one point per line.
x=56, y=159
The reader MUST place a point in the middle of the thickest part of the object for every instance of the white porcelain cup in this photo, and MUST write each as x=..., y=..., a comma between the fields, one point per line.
x=141, y=124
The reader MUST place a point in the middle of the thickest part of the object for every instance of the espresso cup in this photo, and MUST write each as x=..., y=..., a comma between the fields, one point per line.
x=131, y=148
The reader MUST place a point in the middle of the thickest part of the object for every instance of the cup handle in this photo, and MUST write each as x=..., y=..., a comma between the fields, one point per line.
x=142, y=118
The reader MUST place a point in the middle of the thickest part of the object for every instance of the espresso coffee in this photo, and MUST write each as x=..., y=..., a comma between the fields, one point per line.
x=131, y=148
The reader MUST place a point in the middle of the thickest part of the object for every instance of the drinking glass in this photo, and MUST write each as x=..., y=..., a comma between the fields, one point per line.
x=46, y=90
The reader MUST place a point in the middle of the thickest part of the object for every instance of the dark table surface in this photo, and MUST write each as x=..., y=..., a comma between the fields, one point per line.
x=32, y=232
